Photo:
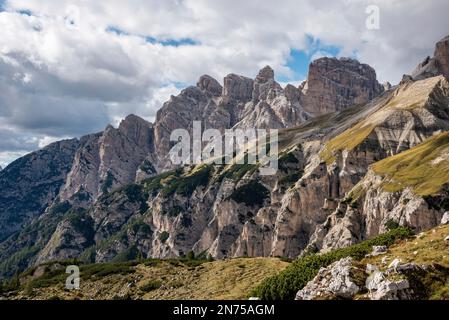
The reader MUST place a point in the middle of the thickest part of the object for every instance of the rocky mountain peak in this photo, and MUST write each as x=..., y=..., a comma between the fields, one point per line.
x=237, y=87
x=335, y=84
x=209, y=85
x=442, y=56
x=265, y=74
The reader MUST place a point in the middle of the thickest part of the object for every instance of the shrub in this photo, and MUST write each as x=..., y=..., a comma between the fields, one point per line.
x=251, y=194
x=107, y=183
x=154, y=184
x=151, y=285
x=237, y=171
x=127, y=255
x=147, y=167
x=286, y=284
x=136, y=194
x=286, y=159
x=391, y=225
x=185, y=185
x=190, y=255
x=105, y=269
x=164, y=236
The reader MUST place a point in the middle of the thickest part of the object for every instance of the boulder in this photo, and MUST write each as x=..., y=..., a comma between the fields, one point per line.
x=341, y=280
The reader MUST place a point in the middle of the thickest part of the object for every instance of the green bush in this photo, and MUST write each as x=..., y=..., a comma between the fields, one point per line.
x=251, y=194
x=185, y=185
x=127, y=255
x=164, y=236
x=190, y=255
x=286, y=284
x=147, y=167
x=391, y=224
x=285, y=160
x=151, y=285
x=154, y=184
x=105, y=269
x=107, y=183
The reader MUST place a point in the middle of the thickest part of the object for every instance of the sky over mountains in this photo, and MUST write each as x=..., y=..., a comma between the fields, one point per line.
x=68, y=68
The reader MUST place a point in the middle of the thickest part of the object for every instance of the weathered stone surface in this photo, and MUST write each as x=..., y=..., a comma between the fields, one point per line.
x=31, y=183
x=442, y=56
x=341, y=280
x=445, y=218
x=335, y=84
x=109, y=159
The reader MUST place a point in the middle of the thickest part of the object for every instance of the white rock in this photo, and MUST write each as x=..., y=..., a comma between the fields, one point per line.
x=445, y=218
x=446, y=239
x=395, y=263
x=254, y=298
x=336, y=280
x=370, y=268
x=374, y=280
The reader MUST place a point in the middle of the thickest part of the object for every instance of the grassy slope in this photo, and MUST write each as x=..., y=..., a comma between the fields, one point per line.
x=226, y=279
x=412, y=96
x=427, y=248
x=424, y=167
x=232, y=278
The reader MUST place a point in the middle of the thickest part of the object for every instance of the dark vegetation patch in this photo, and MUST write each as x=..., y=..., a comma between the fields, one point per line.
x=186, y=184
x=251, y=194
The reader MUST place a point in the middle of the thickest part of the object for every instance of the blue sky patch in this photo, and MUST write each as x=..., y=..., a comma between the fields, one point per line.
x=153, y=40
x=299, y=60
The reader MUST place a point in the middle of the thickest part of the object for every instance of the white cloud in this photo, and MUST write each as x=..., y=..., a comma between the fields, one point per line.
x=63, y=74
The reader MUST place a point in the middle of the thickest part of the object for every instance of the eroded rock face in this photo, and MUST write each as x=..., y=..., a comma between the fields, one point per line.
x=109, y=159
x=335, y=84
x=31, y=183
x=437, y=65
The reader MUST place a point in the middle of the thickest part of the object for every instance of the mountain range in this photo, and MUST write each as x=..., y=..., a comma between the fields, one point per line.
x=354, y=156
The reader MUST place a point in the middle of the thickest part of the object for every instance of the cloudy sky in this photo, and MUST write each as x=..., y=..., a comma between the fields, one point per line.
x=68, y=68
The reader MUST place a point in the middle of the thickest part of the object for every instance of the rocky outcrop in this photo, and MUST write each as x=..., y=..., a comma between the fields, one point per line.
x=335, y=84
x=349, y=279
x=442, y=56
x=341, y=280
x=438, y=65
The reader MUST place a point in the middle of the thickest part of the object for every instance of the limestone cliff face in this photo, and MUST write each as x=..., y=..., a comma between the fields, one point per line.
x=31, y=183
x=335, y=84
